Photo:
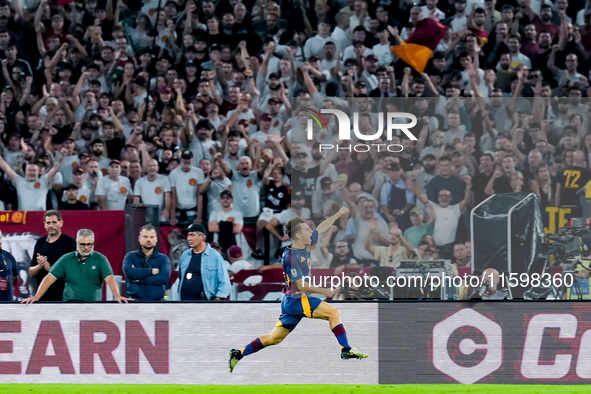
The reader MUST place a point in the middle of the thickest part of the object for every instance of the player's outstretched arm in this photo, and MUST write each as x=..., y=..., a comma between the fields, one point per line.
x=327, y=224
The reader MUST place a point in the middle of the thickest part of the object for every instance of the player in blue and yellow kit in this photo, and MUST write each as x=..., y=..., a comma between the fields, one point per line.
x=296, y=303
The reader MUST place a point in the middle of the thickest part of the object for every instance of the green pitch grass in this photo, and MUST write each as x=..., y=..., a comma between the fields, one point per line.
x=292, y=389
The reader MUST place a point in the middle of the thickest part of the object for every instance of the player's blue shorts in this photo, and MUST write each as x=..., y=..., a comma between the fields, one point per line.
x=294, y=309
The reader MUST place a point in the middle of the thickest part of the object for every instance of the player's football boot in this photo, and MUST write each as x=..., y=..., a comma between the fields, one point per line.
x=235, y=356
x=349, y=353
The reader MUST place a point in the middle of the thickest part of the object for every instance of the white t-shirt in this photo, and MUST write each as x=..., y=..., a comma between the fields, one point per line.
x=213, y=191
x=68, y=165
x=233, y=216
x=152, y=192
x=246, y=191
x=31, y=195
x=186, y=185
x=203, y=149
x=115, y=192
x=446, y=223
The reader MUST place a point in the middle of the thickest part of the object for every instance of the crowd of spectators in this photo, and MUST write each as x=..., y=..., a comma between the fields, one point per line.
x=188, y=106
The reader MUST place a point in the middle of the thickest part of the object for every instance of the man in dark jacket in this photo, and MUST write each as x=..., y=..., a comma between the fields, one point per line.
x=147, y=271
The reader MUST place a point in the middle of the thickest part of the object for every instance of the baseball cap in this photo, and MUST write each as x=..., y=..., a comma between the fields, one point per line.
x=117, y=162
x=191, y=63
x=265, y=116
x=325, y=182
x=416, y=211
x=298, y=195
x=226, y=193
x=234, y=251
x=71, y=186
x=187, y=155
x=139, y=80
x=195, y=228
x=371, y=58
x=359, y=85
x=274, y=76
x=78, y=170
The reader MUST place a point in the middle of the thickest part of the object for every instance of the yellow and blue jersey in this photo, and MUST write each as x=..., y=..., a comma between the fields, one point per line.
x=297, y=264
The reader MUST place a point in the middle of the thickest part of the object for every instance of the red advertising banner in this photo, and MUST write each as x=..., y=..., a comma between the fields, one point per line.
x=108, y=227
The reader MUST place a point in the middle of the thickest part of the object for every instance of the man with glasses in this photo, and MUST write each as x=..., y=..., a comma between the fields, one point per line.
x=202, y=272
x=83, y=272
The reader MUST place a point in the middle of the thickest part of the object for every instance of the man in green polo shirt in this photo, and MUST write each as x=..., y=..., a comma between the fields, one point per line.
x=83, y=272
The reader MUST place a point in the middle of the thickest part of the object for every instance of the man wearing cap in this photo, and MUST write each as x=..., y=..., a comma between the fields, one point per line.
x=202, y=272
x=264, y=131
x=226, y=223
x=32, y=188
x=154, y=189
x=414, y=233
x=186, y=201
x=72, y=203
x=147, y=271
x=113, y=191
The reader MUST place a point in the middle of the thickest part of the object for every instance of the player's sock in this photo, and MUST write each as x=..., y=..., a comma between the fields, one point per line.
x=341, y=334
x=252, y=347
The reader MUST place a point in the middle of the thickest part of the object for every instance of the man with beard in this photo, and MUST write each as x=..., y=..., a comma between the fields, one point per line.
x=389, y=256
x=186, y=201
x=542, y=22
x=113, y=191
x=8, y=274
x=147, y=271
x=203, y=147
x=97, y=148
x=47, y=252
x=83, y=272
x=481, y=178
x=504, y=72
